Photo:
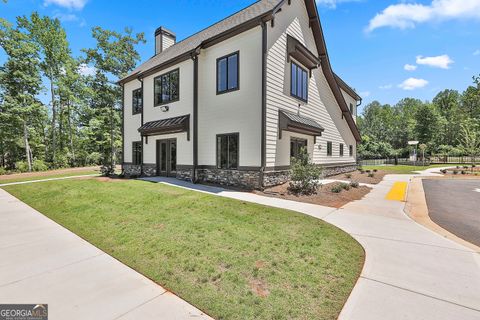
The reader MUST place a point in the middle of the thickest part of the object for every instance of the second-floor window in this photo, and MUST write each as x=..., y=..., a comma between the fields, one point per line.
x=167, y=87
x=137, y=101
x=228, y=73
x=299, y=82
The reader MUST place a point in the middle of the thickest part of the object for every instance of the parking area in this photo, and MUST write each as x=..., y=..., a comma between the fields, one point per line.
x=454, y=204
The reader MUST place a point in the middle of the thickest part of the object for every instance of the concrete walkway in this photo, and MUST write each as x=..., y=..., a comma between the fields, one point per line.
x=42, y=262
x=410, y=272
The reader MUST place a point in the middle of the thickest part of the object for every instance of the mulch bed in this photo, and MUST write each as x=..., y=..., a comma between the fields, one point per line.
x=360, y=177
x=324, y=196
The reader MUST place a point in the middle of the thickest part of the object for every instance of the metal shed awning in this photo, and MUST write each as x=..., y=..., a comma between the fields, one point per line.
x=166, y=126
x=300, y=124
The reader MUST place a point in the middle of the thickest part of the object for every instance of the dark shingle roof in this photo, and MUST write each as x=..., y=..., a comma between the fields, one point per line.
x=253, y=11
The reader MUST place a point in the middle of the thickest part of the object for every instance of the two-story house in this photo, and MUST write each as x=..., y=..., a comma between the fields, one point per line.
x=233, y=103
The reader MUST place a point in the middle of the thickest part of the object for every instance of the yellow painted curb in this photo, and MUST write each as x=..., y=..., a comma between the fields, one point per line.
x=397, y=192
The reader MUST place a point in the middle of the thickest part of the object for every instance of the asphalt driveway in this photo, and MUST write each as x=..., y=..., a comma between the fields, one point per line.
x=455, y=206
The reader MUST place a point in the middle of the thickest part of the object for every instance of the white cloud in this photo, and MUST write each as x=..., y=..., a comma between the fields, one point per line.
x=364, y=94
x=69, y=4
x=413, y=83
x=408, y=15
x=86, y=70
x=66, y=17
x=386, y=87
x=442, y=61
x=476, y=52
x=410, y=67
x=332, y=4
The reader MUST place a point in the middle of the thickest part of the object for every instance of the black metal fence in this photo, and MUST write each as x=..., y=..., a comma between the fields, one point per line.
x=428, y=160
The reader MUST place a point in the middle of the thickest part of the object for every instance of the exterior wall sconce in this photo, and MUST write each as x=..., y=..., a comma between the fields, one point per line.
x=165, y=108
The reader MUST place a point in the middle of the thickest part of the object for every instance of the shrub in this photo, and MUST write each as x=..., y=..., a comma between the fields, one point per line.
x=345, y=186
x=3, y=171
x=375, y=170
x=371, y=175
x=465, y=167
x=39, y=165
x=444, y=171
x=473, y=166
x=362, y=171
x=337, y=189
x=354, y=184
x=455, y=171
x=21, y=166
x=348, y=175
x=463, y=172
x=367, y=171
x=458, y=167
x=305, y=175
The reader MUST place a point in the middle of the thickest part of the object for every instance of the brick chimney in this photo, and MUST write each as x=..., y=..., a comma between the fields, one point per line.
x=163, y=39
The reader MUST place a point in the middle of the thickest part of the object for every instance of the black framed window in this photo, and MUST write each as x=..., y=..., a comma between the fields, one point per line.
x=341, y=149
x=351, y=108
x=329, y=148
x=350, y=151
x=227, y=151
x=137, y=101
x=296, y=145
x=137, y=152
x=228, y=73
x=299, y=82
x=167, y=87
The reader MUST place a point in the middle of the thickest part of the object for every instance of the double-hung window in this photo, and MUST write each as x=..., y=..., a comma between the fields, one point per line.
x=167, y=87
x=341, y=149
x=228, y=73
x=227, y=151
x=299, y=82
x=137, y=101
x=329, y=148
x=137, y=152
x=351, y=151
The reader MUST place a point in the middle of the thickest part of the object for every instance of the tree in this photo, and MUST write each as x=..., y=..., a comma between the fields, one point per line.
x=447, y=103
x=55, y=52
x=470, y=139
x=21, y=81
x=427, y=120
x=113, y=57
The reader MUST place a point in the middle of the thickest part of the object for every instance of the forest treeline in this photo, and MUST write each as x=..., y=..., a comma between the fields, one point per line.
x=449, y=125
x=81, y=123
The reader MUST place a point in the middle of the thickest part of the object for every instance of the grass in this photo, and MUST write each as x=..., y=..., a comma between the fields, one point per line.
x=231, y=259
x=47, y=175
x=404, y=169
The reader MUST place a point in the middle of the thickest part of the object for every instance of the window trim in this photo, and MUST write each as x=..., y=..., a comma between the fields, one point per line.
x=217, y=165
x=341, y=149
x=178, y=89
x=329, y=143
x=238, y=72
x=291, y=76
x=133, y=102
x=133, y=152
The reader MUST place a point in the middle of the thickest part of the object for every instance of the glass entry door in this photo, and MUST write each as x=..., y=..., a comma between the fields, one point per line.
x=167, y=157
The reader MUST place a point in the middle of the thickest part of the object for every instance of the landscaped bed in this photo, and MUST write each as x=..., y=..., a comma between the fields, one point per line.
x=324, y=196
x=231, y=259
x=369, y=177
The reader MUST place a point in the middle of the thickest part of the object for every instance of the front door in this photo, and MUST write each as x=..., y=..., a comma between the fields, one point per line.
x=167, y=157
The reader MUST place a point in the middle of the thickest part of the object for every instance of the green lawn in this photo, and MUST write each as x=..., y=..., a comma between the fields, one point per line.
x=403, y=169
x=53, y=174
x=231, y=259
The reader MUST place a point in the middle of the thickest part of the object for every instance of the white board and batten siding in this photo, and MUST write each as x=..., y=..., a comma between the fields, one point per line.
x=131, y=122
x=321, y=106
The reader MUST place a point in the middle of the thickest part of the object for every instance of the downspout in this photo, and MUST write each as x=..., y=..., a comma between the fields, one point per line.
x=123, y=125
x=195, y=113
x=141, y=124
x=264, y=104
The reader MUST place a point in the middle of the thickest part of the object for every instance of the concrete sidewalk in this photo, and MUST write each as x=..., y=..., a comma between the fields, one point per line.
x=42, y=262
x=410, y=272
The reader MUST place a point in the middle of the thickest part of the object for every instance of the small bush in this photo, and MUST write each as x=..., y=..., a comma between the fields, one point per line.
x=337, y=189
x=3, y=171
x=455, y=171
x=458, y=167
x=375, y=170
x=444, y=171
x=39, y=165
x=345, y=186
x=362, y=171
x=21, y=166
x=371, y=175
x=367, y=171
x=354, y=184
x=305, y=175
x=463, y=172
x=473, y=166
x=348, y=175
x=465, y=167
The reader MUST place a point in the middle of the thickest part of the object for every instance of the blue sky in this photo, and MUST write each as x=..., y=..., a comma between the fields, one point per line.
x=370, y=42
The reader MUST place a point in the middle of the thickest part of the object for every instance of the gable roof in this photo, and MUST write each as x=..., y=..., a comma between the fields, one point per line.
x=345, y=87
x=251, y=16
